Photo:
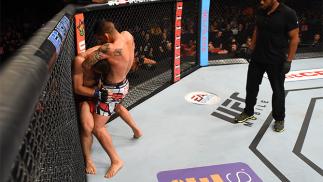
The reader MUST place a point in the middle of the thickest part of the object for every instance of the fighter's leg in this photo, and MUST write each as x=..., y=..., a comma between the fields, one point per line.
x=106, y=141
x=126, y=116
x=87, y=124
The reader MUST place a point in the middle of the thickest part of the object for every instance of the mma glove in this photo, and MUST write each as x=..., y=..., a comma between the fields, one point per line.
x=286, y=66
x=101, y=95
x=245, y=53
x=249, y=54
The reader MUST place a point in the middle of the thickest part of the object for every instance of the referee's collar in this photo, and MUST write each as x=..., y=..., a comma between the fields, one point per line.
x=280, y=7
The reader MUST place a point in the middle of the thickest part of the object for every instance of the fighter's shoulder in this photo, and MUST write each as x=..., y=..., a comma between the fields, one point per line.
x=78, y=64
x=127, y=34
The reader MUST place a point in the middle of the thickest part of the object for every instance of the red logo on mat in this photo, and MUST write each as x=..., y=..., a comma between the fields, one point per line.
x=304, y=75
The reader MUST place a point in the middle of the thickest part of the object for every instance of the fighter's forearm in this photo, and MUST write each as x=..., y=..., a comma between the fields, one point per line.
x=293, y=44
x=93, y=58
x=98, y=54
x=85, y=91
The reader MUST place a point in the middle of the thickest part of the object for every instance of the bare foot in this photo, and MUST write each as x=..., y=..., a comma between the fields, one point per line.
x=113, y=169
x=90, y=167
x=137, y=134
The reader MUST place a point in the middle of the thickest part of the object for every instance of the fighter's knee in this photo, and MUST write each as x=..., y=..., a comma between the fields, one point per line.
x=97, y=131
x=118, y=108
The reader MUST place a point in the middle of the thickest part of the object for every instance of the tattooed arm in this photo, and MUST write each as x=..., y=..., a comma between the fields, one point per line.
x=101, y=53
x=105, y=51
x=82, y=63
x=89, y=51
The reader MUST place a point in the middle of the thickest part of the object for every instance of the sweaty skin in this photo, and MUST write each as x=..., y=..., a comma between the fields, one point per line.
x=84, y=84
x=119, y=54
x=118, y=51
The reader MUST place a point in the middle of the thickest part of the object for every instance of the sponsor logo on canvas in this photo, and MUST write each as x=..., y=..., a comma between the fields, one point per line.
x=202, y=98
x=233, y=172
x=234, y=105
x=303, y=75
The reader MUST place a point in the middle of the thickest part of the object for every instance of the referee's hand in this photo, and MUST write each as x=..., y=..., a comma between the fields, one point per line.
x=286, y=66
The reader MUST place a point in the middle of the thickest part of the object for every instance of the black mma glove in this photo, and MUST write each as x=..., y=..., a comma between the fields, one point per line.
x=101, y=95
x=248, y=54
x=286, y=66
x=245, y=53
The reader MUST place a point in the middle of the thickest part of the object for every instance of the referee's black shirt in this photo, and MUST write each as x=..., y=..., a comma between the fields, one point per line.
x=272, y=34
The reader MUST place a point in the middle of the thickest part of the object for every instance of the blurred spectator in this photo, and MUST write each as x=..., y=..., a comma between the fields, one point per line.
x=144, y=54
x=216, y=45
x=246, y=44
x=242, y=34
x=316, y=40
x=165, y=48
x=234, y=46
x=146, y=48
x=156, y=39
x=189, y=50
x=227, y=34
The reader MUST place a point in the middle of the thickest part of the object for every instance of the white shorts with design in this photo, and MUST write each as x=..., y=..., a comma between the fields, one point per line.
x=116, y=94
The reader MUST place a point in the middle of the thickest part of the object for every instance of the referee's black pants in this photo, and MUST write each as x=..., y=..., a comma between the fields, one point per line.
x=276, y=79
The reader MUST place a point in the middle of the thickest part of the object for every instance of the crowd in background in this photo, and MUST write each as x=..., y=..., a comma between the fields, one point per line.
x=20, y=20
x=153, y=42
x=14, y=33
x=230, y=29
x=232, y=23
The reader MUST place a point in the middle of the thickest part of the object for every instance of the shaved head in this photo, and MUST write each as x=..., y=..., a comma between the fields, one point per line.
x=104, y=26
